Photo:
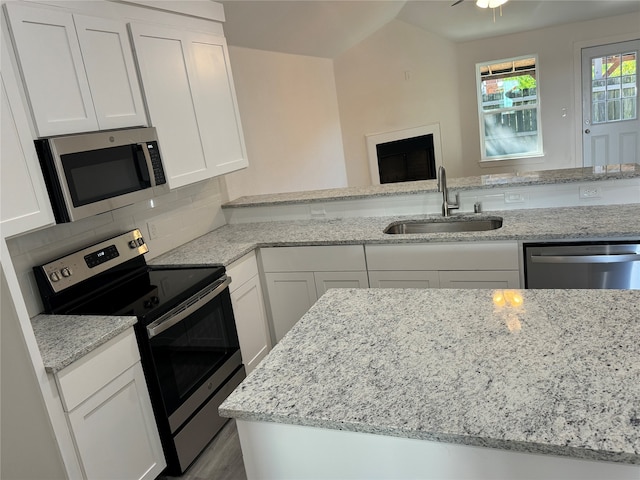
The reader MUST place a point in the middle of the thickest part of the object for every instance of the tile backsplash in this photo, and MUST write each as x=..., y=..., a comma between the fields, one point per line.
x=166, y=222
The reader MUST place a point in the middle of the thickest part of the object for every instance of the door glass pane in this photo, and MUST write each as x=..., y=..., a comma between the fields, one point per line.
x=628, y=108
x=614, y=77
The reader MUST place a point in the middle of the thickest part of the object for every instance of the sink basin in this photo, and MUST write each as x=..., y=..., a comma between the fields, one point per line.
x=444, y=225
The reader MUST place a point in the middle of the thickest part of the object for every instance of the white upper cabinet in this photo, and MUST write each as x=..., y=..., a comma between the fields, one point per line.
x=24, y=204
x=78, y=71
x=189, y=92
x=108, y=61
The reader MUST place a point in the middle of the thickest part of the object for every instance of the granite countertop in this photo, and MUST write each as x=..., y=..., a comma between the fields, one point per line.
x=541, y=371
x=63, y=339
x=545, y=177
x=229, y=243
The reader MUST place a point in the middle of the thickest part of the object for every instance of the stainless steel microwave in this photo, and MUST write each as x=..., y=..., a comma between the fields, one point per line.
x=92, y=173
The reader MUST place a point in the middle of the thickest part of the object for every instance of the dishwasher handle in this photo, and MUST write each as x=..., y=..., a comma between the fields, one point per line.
x=616, y=258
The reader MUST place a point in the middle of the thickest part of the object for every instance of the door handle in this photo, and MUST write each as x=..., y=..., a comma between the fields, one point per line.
x=587, y=131
x=633, y=257
x=186, y=308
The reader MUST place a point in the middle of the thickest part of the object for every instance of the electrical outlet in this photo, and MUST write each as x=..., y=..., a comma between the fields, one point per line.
x=590, y=192
x=153, y=230
x=510, y=197
x=318, y=213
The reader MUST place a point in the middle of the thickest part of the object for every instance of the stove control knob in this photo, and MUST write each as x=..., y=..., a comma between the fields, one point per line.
x=66, y=272
x=147, y=304
x=155, y=300
x=54, y=277
x=133, y=244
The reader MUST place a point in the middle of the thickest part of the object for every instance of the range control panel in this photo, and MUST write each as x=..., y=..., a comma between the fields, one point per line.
x=83, y=264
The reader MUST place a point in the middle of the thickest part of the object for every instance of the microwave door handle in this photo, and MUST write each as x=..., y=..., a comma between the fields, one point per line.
x=144, y=163
x=632, y=257
x=181, y=312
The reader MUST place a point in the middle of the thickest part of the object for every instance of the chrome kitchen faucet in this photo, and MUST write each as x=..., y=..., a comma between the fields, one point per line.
x=442, y=187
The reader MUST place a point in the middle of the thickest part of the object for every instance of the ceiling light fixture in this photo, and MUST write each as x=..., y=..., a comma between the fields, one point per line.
x=493, y=4
x=490, y=3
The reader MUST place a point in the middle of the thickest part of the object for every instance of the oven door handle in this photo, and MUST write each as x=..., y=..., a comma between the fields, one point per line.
x=186, y=308
x=609, y=258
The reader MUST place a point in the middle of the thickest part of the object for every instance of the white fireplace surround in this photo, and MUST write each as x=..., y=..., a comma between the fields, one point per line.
x=377, y=138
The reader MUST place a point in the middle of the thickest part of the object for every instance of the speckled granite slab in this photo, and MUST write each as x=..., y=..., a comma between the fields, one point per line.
x=227, y=244
x=546, y=177
x=541, y=371
x=63, y=339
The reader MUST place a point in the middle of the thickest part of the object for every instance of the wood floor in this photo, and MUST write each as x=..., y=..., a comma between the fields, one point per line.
x=221, y=460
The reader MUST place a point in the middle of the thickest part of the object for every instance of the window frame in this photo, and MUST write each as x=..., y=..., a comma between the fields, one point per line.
x=539, y=151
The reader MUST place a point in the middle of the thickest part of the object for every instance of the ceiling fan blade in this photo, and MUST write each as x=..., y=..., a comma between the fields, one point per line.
x=456, y=3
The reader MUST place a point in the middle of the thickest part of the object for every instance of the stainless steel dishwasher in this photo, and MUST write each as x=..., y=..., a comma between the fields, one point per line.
x=583, y=265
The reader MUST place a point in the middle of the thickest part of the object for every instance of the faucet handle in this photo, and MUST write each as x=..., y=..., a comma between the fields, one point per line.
x=457, y=204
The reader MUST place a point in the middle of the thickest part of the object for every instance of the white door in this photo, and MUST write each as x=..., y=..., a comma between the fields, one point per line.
x=24, y=203
x=251, y=323
x=108, y=61
x=611, y=128
x=291, y=294
x=163, y=61
x=326, y=280
x=52, y=68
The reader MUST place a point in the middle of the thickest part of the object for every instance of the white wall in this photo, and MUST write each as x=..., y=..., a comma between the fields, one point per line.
x=375, y=95
x=555, y=49
x=291, y=123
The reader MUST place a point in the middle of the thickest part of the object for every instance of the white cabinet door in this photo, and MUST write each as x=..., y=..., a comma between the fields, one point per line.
x=51, y=63
x=291, y=295
x=78, y=71
x=108, y=61
x=404, y=279
x=216, y=104
x=251, y=322
x=480, y=279
x=24, y=203
x=326, y=280
x=191, y=101
x=115, y=431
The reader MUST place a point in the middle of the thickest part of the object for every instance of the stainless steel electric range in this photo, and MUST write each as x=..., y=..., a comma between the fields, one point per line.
x=185, y=331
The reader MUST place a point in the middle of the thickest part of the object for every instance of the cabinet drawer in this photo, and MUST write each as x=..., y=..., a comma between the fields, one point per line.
x=86, y=376
x=444, y=256
x=341, y=258
x=242, y=270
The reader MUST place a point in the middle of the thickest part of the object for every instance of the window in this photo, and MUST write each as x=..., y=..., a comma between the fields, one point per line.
x=613, y=88
x=509, y=108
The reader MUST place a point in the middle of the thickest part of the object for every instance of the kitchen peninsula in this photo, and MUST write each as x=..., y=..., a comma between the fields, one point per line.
x=418, y=383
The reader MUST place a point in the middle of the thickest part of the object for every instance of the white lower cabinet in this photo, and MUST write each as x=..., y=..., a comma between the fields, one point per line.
x=249, y=312
x=297, y=276
x=444, y=265
x=109, y=412
x=291, y=295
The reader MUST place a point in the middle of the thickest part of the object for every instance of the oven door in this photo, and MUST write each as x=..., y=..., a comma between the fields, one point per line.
x=194, y=348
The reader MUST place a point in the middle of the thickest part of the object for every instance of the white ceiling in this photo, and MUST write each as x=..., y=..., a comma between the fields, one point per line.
x=327, y=28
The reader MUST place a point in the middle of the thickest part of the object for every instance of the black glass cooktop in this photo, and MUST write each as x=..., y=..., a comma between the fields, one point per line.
x=151, y=293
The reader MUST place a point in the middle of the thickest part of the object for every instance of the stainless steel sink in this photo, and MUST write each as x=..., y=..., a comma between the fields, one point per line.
x=444, y=225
